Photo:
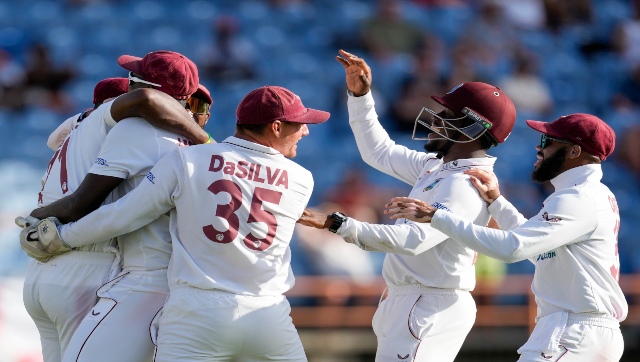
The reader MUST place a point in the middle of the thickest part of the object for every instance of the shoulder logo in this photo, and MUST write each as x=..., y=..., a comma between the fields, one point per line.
x=403, y=357
x=151, y=177
x=102, y=162
x=550, y=219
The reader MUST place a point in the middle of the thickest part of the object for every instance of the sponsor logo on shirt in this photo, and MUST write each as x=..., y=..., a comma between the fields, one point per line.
x=550, y=219
x=439, y=206
x=151, y=177
x=402, y=358
x=433, y=184
x=102, y=162
x=547, y=255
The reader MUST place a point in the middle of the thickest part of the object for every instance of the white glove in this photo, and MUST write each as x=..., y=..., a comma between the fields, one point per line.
x=45, y=242
x=26, y=221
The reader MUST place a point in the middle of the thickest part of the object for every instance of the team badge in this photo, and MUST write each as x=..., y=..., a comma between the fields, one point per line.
x=433, y=184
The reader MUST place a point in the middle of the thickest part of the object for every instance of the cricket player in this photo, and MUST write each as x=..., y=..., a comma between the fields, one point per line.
x=429, y=310
x=234, y=206
x=572, y=241
x=131, y=148
x=59, y=292
x=199, y=105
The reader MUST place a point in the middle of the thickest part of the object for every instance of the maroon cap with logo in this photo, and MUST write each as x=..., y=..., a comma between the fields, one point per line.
x=485, y=100
x=269, y=103
x=589, y=132
x=177, y=75
x=109, y=88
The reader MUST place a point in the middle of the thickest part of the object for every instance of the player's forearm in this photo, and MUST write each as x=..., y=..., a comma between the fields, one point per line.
x=67, y=209
x=159, y=109
x=498, y=244
x=112, y=223
x=505, y=214
x=409, y=239
x=376, y=148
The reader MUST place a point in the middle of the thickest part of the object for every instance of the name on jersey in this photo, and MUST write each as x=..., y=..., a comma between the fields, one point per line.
x=251, y=171
x=547, y=255
x=439, y=206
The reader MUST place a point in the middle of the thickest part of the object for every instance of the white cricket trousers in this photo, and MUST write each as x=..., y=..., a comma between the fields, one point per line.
x=59, y=293
x=422, y=324
x=586, y=338
x=117, y=327
x=213, y=325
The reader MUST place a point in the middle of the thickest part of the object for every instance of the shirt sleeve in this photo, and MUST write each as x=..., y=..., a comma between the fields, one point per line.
x=505, y=214
x=153, y=197
x=57, y=137
x=375, y=146
x=566, y=218
x=130, y=146
x=454, y=193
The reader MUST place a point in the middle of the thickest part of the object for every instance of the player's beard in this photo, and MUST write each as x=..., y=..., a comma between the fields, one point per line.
x=440, y=146
x=550, y=167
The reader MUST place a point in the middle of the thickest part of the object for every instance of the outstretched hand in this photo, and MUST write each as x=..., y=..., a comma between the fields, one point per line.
x=486, y=183
x=410, y=209
x=358, y=73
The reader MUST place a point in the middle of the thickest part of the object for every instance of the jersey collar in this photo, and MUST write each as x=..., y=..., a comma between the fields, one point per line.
x=577, y=175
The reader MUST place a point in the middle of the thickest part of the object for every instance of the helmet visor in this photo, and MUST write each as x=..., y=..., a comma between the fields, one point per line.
x=471, y=126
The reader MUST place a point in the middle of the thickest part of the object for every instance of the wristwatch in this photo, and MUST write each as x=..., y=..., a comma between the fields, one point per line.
x=338, y=219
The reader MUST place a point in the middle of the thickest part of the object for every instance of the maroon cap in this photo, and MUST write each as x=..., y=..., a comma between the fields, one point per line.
x=269, y=103
x=589, y=132
x=177, y=75
x=486, y=100
x=203, y=93
x=109, y=88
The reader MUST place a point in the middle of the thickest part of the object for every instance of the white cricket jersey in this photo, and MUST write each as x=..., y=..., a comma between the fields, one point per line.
x=416, y=253
x=236, y=205
x=130, y=150
x=74, y=157
x=572, y=241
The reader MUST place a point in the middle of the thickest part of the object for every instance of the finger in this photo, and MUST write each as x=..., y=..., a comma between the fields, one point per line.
x=364, y=78
x=406, y=200
x=343, y=61
x=346, y=54
x=482, y=174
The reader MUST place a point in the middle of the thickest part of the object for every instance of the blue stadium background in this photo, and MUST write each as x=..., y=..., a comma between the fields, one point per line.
x=295, y=44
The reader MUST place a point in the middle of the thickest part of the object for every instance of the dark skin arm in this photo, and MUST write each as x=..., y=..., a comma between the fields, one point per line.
x=159, y=109
x=88, y=197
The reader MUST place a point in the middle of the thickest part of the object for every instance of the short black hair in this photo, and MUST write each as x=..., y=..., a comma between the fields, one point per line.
x=254, y=128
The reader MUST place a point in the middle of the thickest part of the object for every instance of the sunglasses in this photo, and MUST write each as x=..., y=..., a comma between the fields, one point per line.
x=198, y=106
x=134, y=79
x=544, y=140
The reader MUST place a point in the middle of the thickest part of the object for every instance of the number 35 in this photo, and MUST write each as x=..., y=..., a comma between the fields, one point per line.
x=257, y=214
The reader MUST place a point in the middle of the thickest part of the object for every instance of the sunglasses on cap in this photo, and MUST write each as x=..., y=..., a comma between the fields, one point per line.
x=198, y=106
x=134, y=79
x=544, y=140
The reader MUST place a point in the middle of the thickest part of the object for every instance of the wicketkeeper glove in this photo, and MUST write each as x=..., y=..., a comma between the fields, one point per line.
x=44, y=242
